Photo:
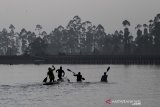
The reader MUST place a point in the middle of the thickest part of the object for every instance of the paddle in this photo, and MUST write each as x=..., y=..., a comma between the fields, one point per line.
x=45, y=80
x=108, y=69
x=71, y=71
x=74, y=73
x=83, y=78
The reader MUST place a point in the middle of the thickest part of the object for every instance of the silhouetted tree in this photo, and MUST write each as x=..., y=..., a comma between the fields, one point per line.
x=139, y=40
x=99, y=38
x=127, y=38
x=82, y=38
x=39, y=28
x=86, y=37
x=38, y=47
x=12, y=39
x=23, y=40
x=147, y=47
x=156, y=33
x=73, y=28
x=4, y=42
x=117, y=41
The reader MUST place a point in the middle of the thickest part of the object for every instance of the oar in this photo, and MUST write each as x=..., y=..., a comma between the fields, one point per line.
x=108, y=69
x=71, y=71
x=83, y=78
x=74, y=73
x=45, y=80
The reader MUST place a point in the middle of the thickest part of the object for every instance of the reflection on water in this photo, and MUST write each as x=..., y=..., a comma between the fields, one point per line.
x=21, y=86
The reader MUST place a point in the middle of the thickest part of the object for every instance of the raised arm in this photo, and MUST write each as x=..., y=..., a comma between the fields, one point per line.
x=53, y=67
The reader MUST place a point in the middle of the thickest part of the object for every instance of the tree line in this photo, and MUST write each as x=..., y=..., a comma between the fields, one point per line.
x=82, y=38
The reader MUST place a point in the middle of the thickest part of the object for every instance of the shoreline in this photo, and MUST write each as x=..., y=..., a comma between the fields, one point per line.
x=82, y=59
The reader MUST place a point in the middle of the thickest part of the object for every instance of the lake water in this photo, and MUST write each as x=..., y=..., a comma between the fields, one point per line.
x=21, y=86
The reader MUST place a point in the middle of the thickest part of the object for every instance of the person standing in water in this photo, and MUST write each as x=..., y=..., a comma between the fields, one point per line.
x=60, y=72
x=51, y=74
x=79, y=77
x=104, y=77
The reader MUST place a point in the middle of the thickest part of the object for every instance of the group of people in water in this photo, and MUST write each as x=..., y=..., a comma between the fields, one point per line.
x=61, y=74
x=51, y=76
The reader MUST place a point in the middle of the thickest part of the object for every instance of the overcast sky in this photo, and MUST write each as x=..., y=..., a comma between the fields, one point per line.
x=51, y=13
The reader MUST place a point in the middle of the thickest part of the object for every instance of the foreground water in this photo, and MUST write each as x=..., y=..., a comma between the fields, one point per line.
x=21, y=86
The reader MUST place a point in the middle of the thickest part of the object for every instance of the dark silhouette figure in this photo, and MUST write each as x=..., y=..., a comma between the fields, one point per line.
x=104, y=77
x=51, y=74
x=79, y=77
x=60, y=72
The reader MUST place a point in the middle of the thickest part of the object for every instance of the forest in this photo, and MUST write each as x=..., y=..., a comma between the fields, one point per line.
x=82, y=38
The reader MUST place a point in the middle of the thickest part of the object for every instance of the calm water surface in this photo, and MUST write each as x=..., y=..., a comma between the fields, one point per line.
x=21, y=86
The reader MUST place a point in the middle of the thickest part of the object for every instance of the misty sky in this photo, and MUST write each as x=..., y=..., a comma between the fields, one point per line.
x=52, y=13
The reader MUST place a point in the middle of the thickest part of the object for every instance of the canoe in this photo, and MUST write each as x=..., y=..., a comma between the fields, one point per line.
x=50, y=83
x=56, y=82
